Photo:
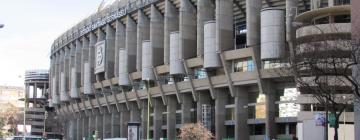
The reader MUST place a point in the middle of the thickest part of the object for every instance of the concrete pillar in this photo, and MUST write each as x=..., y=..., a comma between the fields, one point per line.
x=110, y=52
x=270, y=108
x=119, y=43
x=124, y=119
x=156, y=36
x=241, y=114
x=65, y=76
x=127, y=56
x=115, y=124
x=171, y=24
x=107, y=125
x=27, y=91
x=253, y=8
x=187, y=30
x=56, y=81
x=84, y=58
x=35, y=90
x=85, y=126
x=99, y=125
x=75, y=70
x=72, y=72
x=224, y=25
x=135, y=114
x=92, y=125
x=79, y=128
x=143, y=33
x=159, y=108
x=220, y=113
x=291, y=11
x=187, y=102
x=144, y=119
x=89, y=66
x=171, y=117
x=205, y=12
x=72, y=129
x=204, y=98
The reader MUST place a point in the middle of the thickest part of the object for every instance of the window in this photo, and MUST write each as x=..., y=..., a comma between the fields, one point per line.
x=200, y=73
x=273, y=64
x=243, y=65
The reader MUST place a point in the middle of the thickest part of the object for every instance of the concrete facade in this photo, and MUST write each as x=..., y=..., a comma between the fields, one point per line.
x=181, y=56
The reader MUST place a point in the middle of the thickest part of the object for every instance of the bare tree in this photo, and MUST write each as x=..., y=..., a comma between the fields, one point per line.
x=323, y=66
x=195, y=131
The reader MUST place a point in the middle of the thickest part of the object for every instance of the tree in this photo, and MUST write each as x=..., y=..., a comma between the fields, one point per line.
x=195, y=131
x=8, y=118
x=323, y=66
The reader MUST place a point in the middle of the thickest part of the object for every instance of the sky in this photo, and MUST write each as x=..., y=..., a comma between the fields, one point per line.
x=30, y=28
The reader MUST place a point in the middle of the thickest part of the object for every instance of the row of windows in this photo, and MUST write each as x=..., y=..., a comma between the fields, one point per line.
x=243, y=65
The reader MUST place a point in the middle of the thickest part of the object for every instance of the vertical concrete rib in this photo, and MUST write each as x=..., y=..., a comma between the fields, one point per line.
x=171, y=24
x=124, y=119
x=156, y=36
x=115, y=124
x=158, y=110
x=107, y=125
x=99, y=125
x=79, y=128
x=291, y=11
x=253, y=8
x=205, y=12
x=187, y=29
x=171, y=117
x=127, y=56
x=75, y=71
x=72, y=72
x=143, y=33
x=147, y=67
x=84, y=58
x=144, y=115
x=119, y=43
x=92, y=125
x=220, y=113
x=56, y=81
x=110, y=52
x=176, y=66
x=241, y=114
x=211, y=57
x=85, y=126
x=186, y=106
x=270, y=108
x=89, y=66
x=135, y=114
x=65, y=76
x=224, y=25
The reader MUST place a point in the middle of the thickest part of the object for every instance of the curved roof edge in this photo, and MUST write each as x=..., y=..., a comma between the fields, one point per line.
x=113, y=12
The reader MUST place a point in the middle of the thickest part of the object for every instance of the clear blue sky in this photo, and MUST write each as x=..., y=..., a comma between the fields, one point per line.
x=30, y=28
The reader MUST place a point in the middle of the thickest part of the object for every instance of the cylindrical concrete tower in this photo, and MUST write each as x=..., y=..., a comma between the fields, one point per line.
x=211, y=57
x=147, y=68
x=176, y=66
x=272, y=33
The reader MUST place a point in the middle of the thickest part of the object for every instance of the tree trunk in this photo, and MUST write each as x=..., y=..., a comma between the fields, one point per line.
x=336, y=127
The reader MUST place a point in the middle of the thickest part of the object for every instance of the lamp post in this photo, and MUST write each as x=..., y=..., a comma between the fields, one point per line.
x=148, y=108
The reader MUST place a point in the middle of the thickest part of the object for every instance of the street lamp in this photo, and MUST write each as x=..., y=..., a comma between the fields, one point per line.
x=148, y=109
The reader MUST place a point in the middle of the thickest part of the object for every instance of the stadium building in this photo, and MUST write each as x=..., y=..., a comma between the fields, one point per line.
x=164, y=63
